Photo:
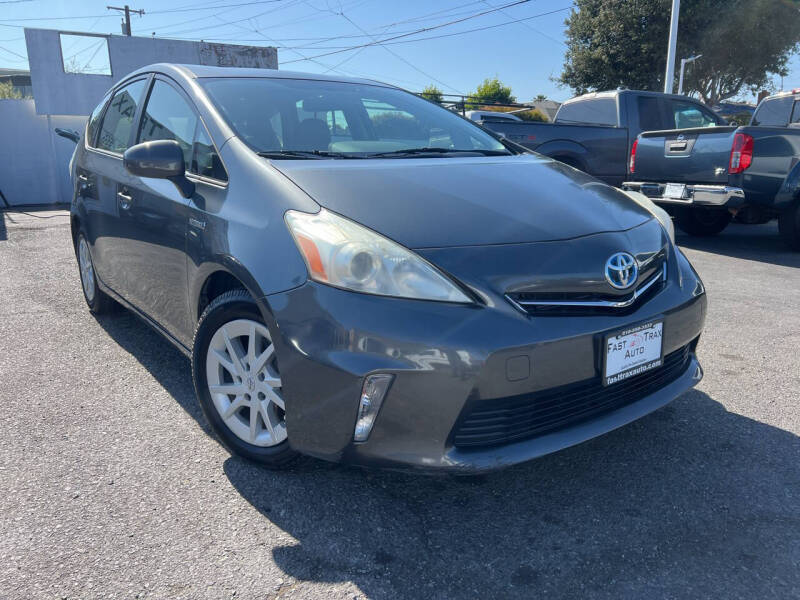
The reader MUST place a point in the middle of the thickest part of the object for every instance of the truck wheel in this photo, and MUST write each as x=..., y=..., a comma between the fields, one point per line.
x=702, y=221
x=789, y=226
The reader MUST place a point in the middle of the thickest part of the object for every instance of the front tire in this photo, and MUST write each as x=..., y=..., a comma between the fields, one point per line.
x=237, y=381
x=789, y=226
x=702, y=221
x=96, y=299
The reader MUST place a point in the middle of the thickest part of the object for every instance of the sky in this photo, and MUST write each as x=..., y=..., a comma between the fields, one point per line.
x=453, y=44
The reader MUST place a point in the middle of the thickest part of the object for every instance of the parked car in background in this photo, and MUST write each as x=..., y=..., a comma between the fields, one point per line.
x=363, y=276
x=705, y=175
x=595, y=132
x=490, y=115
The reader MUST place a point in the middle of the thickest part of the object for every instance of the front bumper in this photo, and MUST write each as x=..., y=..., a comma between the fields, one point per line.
x=697, y=194
x=444, y=358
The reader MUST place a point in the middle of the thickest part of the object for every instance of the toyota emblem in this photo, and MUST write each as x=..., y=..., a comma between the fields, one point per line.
x=621, y=270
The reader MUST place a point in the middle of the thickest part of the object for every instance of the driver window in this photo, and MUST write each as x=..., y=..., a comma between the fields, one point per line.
x=168, y=116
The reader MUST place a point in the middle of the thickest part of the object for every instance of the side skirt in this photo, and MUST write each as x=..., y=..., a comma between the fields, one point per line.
x=144, y=317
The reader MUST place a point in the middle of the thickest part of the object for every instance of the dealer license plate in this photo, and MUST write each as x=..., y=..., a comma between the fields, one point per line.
x=675, y=191
x=633, y=351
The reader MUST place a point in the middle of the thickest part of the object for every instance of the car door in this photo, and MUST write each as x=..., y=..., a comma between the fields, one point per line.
x=102, y=176
x=156, y=216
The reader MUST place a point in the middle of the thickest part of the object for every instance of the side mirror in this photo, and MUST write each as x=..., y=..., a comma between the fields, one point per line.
x=160, y=159
x=71, y=135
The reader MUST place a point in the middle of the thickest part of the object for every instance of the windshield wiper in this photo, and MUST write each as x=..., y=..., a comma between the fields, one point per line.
x=304, y=154
x=417, y=151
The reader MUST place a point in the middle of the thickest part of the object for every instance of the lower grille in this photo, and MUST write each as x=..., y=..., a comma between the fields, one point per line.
x=505, y=420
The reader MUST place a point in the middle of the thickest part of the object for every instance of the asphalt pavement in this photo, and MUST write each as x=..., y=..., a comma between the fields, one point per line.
x=112, y=486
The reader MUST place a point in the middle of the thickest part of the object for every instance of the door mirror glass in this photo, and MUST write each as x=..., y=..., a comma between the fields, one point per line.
x=160, y=159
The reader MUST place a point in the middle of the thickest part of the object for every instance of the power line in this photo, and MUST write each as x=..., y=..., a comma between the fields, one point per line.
x=423, y=29
x=396, y=55
x=14, y=53
x=444, y=35
x=528, y=26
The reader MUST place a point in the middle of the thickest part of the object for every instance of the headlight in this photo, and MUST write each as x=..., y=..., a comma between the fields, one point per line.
x=658, y=212
x=345, y=254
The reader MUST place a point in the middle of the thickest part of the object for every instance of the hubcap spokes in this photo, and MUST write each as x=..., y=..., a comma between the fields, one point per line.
x=245, y=384
x=87, y=270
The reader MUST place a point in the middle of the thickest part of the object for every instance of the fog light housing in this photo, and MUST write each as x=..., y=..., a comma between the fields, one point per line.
x=372, y=395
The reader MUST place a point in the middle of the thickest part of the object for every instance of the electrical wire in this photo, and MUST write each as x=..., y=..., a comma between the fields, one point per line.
x=396, y=55
x=421, y=30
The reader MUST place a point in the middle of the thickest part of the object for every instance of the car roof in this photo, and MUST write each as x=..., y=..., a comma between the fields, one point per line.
x=187, y=71
x=615, y=93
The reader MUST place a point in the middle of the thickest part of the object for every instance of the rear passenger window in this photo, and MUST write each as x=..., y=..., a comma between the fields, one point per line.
x=773, y=112
x=205, y=160
x=168, y=116
x=115, y=133
x=94, y=120
x=687, y=115
x=649, y=113
x=594, y=111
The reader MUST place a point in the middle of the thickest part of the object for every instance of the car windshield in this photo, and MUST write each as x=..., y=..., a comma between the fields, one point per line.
x=300, y=118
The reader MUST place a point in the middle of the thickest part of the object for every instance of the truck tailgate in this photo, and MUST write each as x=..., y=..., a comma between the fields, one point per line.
x=684, y=155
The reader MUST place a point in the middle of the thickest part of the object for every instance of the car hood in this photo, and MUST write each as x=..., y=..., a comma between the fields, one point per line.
x=446, y=202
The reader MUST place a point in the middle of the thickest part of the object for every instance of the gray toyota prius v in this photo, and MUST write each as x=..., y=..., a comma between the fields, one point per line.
x=361, y=275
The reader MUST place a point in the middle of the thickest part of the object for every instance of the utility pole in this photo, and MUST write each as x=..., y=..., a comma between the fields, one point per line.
x=669, y=78
x=684, y=61
x=126, y=26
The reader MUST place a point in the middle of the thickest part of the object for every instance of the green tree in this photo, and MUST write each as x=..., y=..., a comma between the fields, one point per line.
x=618, y=43
x=540, y=98
x=7, y=91
x=492, y=90
x=432, y=93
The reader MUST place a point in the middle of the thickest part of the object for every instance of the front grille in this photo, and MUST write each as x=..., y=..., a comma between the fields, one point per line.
x=504, y=420
x=570, y=303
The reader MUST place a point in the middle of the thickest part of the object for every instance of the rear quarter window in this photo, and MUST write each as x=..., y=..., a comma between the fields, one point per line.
x=595, y=111
x=94, y=120
x=773, y=112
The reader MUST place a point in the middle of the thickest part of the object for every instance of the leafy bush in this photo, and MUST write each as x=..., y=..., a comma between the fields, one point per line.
x=7, y=91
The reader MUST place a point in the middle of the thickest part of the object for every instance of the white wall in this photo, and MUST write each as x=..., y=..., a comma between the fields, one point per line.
x=34, y=161
x=60, y=93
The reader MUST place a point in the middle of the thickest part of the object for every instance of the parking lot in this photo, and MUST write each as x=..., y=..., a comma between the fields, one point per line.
x=112, y=486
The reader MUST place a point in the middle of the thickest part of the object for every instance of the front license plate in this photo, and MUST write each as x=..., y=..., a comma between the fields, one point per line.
x=675, y=190
x=633, y=351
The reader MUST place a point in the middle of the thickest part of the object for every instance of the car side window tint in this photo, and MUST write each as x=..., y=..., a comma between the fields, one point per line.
x=796, y=113
x=594, y=111
x=649, y=113
x=687, y=115
x=205, y=160
x=773, y=112
x=94, y=120
x=115, y=132
x=167, y=116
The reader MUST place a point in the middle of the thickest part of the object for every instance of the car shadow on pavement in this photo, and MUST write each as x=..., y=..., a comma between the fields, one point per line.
x=164, y=361
x=750, y=242
x=692, y=501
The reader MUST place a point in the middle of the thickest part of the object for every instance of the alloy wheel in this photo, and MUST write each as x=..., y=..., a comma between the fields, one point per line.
x=244, y=382
x=87, y=269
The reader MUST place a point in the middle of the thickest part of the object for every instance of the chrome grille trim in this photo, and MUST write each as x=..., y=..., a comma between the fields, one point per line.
x=628, y=301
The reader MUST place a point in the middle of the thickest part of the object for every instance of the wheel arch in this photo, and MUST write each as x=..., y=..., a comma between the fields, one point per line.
x=565, y=151
x=217, y=276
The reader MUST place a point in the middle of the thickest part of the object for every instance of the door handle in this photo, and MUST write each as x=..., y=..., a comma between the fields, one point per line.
x=125, y=200
x=83, y=178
